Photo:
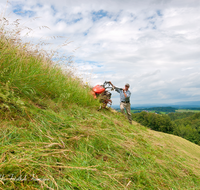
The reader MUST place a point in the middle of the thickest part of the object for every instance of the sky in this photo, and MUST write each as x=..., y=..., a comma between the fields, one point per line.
x=154, y=45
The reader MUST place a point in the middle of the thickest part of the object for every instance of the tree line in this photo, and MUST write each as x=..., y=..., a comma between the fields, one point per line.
x=156, y=109
x=186, y=125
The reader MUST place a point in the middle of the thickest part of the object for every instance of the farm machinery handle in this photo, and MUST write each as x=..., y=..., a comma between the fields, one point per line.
x=102, y=92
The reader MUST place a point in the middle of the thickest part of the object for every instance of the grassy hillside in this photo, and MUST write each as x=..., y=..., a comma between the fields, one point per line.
x=53, y=137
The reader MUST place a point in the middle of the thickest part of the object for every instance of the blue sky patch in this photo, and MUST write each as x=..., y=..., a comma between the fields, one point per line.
x=86, y=33
x=54, y=10
x=143, y=28
x=151, y=17
x=18, y=10
x=74, y=20
x=70, y=21
x=89, y=62
x=116, y=17
x=99, y=15
x=159, y=13
x=39, y=5
x=134, y=17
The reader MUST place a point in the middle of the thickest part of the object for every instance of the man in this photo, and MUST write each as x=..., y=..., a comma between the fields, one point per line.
x=125, y=100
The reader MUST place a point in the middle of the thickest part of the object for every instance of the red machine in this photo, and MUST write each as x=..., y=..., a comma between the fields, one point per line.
x=101, y=92
x=98, y=89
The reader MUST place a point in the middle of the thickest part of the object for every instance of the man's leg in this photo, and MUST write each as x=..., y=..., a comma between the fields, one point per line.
x=128, y=110
x=122, y=108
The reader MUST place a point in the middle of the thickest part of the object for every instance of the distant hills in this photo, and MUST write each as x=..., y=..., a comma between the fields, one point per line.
x=189, y=104
x=178, y=105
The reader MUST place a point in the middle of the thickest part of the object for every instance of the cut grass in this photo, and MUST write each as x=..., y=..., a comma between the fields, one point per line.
x=96, y=150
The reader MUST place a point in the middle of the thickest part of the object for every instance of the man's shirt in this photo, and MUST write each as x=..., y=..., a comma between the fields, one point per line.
x=122, y=97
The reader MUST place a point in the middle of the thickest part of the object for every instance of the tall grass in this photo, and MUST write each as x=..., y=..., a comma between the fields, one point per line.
x=34, y=75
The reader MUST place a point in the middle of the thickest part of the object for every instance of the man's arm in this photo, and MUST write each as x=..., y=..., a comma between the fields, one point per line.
x=111, y=83
x=127, y=94
x=117, y=89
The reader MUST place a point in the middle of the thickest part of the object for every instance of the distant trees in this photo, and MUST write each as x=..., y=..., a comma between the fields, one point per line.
x=174, y=116
x=154, y=121
x=186, y=125
x=162, y=109
x=155, y=109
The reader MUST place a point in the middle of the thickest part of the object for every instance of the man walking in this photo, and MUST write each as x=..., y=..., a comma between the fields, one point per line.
x=125, y=100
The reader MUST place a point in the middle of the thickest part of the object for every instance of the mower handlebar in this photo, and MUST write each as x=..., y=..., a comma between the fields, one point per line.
x=108, y=82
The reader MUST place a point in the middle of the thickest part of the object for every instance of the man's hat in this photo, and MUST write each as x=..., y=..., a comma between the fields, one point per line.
x=127, y=85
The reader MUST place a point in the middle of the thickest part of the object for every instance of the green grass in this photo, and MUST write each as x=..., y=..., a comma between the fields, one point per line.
x=53, y=137
x=132, y=111
x=187, y=110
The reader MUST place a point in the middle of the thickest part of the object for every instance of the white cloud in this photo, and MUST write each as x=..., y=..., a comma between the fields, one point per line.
x=190, y=91
x=153, y=45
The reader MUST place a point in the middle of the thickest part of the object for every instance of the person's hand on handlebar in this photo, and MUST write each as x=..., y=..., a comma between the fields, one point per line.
x=111, y=83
